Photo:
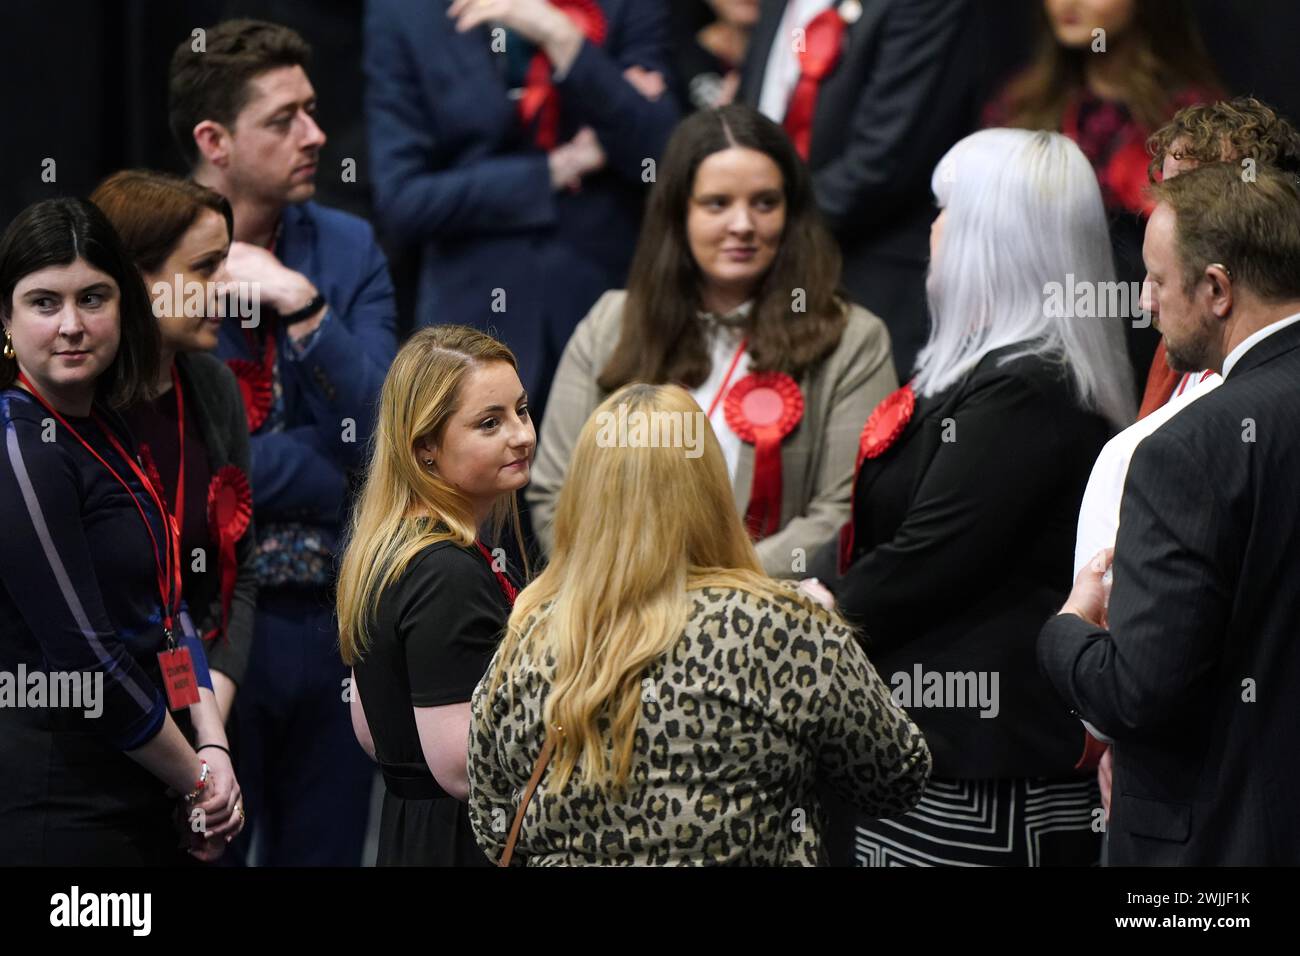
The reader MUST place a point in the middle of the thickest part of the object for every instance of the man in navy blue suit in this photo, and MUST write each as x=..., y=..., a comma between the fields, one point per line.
x=311, y=364
x=514, y=141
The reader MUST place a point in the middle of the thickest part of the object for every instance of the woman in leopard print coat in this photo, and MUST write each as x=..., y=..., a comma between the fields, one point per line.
x=703, y=704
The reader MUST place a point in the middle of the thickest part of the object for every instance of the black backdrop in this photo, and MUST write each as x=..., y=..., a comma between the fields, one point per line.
x=83, y=82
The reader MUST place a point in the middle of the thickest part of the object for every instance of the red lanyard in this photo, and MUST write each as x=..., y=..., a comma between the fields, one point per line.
x=507, y=588
x=169, y=574
x=731, y=370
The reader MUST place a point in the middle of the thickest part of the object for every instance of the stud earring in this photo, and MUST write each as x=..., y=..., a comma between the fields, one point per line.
x=428, y=462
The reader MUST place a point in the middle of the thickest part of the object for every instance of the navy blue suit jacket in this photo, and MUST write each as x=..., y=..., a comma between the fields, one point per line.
x=455, y=172
x=300, y=473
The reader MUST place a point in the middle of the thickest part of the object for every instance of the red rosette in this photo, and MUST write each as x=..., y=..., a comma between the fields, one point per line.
x=254, y=388
x=540, y=103
x=886, y=423
x=230, y=511
x=762, y=408
x=882, y=429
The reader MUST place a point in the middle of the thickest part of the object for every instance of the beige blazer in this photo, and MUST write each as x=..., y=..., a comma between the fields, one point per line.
x=817, y=458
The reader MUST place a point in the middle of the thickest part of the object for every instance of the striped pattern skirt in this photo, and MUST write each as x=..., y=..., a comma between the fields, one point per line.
x=1019, y=822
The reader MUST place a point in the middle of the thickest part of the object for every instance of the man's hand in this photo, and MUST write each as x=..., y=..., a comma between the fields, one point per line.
x=278, y=286
x=576, y=158
x=649, y=83
x=1091, y=594
x=535, y=20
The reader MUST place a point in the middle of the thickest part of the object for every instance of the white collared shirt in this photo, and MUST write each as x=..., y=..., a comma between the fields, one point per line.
x=781, y=73
x=1099, y=510
x=1248, y=343
x=723, y=342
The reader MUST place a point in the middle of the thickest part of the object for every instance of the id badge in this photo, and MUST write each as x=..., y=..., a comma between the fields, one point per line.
x=178, y=677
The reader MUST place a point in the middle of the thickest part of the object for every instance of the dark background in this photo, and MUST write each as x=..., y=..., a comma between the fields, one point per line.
x=84, y=81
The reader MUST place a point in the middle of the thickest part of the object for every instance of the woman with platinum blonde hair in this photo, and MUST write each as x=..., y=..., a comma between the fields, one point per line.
x=677, y=705
x=968, y=483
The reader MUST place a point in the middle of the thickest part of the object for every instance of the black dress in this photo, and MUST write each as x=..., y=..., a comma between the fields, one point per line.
x=79, y=594
x=435, y=631
x=963, y=539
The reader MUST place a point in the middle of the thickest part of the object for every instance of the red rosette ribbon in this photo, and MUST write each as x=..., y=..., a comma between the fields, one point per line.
x=540, y=103
x=882, y=429
x=254, y=388
x=762, y=408
x=886, y=423
x=230, y=510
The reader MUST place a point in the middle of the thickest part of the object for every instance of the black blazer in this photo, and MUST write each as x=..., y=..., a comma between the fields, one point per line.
x=963, y=540
x=902, y=92
x=1198, y=678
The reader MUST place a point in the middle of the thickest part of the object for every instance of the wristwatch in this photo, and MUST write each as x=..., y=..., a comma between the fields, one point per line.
x=306, y=312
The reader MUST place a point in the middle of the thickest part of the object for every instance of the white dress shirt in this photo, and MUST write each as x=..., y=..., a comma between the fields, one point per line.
x=1099, y=510
x=781, y=73
x=724, y=338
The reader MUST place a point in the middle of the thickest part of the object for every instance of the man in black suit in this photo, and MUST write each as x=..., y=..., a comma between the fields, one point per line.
x=899, y=94
x=1196, y=672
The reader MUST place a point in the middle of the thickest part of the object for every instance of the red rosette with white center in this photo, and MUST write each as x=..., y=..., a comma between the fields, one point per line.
x=539, y=102
x=230, y=511
x=762, y=408
x=254, y=388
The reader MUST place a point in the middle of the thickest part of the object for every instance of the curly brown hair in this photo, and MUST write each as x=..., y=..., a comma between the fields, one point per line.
x=1227, y=132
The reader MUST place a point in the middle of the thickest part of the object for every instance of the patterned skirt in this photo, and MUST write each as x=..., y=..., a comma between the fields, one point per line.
x=1019, y=822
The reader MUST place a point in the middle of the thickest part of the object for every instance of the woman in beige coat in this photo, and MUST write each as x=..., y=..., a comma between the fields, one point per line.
x=734, y=294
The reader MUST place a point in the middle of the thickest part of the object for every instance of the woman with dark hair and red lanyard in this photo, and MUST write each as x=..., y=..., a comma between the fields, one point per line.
x=192, y=430
x=422, y=600
x=112, y=673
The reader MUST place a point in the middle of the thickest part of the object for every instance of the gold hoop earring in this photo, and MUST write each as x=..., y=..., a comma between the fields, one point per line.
x=9, y=346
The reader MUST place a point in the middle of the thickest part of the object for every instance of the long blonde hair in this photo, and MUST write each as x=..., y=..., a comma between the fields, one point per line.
x=404, y=508
x=635, y=529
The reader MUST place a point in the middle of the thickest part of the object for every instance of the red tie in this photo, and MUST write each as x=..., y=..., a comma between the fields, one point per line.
x=821, y=50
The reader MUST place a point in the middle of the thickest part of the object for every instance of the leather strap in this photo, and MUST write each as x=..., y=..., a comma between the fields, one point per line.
x=538, y=769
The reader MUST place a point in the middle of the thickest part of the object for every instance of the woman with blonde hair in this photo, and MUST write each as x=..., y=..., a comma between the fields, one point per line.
x=701, y=701
x=422, y=602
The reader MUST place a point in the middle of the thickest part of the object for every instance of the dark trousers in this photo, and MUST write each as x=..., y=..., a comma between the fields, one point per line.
x=306, y=781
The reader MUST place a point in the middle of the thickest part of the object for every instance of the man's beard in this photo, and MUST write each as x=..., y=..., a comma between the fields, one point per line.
x=1194, y=353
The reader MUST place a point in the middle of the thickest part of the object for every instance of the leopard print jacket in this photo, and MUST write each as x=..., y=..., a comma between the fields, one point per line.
x=757, y=703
